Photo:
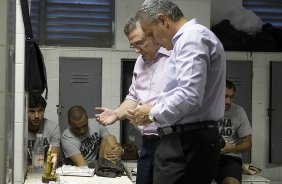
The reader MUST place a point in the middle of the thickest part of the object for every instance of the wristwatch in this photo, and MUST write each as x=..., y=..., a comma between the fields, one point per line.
x=151, y=117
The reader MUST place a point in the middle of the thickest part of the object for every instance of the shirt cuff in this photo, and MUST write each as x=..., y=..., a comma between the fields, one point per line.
x=151, y=116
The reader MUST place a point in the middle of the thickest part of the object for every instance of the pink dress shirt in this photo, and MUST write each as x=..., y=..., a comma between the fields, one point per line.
x=148, y=82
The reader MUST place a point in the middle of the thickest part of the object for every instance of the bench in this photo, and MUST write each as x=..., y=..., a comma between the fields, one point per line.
x=253, y=179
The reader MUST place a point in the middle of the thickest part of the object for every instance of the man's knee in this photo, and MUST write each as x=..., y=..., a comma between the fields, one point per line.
x=110, y=148
x=109, y=140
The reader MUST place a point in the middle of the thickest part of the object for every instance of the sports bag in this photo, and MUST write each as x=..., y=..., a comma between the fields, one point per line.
x=35, y=70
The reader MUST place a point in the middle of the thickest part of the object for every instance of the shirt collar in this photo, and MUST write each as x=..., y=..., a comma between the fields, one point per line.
x=182, y=29
x=162, y=51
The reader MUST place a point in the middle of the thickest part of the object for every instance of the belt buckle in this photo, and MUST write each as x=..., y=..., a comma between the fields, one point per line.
x=165, y=131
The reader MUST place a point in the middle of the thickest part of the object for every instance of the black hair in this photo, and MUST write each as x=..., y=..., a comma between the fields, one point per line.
x=230, y=85
x=36, y=100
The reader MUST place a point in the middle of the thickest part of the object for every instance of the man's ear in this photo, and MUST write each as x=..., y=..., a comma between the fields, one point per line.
x=163, y=19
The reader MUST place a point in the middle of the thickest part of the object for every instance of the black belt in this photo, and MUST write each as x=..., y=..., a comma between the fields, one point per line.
x=186, y=127
x=151, y=137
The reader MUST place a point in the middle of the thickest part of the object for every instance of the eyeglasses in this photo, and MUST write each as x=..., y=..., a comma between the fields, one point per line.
x=138, y=44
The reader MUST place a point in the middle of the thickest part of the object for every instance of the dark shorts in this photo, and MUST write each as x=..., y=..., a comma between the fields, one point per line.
x=229, y=167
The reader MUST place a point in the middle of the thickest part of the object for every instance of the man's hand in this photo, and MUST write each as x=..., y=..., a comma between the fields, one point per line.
x=105, y=116
x=228, y=148
x=140, y=115
x=78, y=160
x=243, y=146
x=113, y=153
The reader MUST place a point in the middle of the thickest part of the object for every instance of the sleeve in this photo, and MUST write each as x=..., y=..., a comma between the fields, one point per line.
x=132, y=94
x=70, y=144
x=55, y=136
x=185, y=88
x=245, y=128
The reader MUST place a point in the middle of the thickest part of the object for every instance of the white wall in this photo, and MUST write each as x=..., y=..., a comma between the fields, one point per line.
x=219, y=8
x=20, y=118
x=112, y=73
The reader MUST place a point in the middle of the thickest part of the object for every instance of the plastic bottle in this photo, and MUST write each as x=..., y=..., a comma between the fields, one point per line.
x=38, y=155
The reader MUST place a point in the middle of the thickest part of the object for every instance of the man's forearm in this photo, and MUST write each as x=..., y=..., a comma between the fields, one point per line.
x=121, y=111
x=78, y=160
x=244, y=146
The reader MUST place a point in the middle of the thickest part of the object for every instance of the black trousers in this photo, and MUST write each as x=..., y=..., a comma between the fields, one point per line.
x=145, y=163
x=189, y=157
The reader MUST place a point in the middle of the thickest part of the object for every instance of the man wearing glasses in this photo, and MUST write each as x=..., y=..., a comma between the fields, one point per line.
x=147, y=82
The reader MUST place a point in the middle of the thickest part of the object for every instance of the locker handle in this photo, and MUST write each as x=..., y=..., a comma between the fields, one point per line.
x=59, y=111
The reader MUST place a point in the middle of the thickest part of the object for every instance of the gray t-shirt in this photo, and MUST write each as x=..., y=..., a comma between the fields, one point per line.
x=235, y=126
x=50, y=132
x=87, y=144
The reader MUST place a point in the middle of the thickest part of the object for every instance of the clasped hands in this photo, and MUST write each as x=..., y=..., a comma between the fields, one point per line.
x=137, y=116
x=140, y=115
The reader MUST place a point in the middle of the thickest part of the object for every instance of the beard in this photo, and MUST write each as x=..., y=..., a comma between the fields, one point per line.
x=35, y=124
x=227, y=107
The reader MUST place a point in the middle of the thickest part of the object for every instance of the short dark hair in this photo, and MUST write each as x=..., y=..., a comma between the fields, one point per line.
x=230, y=85
x=36, y=100
x=76, y=112
x=130, y=25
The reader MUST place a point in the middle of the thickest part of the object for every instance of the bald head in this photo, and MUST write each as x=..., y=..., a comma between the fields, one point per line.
x=75, y=113
x=78, y=120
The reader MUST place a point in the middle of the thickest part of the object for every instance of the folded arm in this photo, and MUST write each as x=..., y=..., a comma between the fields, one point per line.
x=245, y=145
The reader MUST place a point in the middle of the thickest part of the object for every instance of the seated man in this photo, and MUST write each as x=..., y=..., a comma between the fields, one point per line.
x=85, y=137
x=38, y=124
x=236, y=131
